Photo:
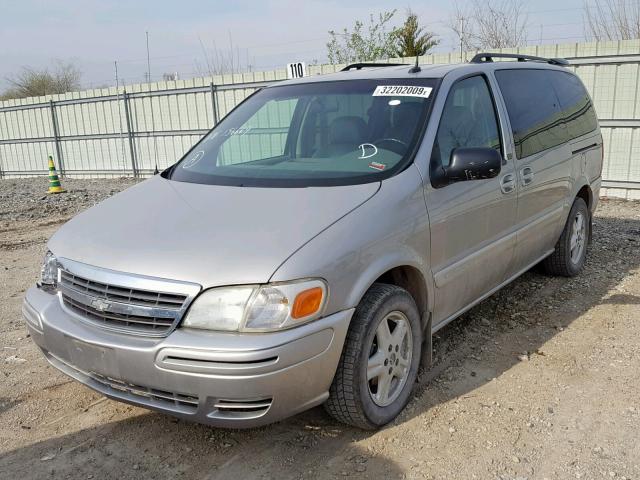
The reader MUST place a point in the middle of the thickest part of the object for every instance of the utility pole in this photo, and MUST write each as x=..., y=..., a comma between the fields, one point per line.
x=148, y=59
x=461, y=38
x=153, y=120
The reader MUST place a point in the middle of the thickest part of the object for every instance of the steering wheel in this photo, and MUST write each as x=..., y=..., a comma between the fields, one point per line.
x=393, y=144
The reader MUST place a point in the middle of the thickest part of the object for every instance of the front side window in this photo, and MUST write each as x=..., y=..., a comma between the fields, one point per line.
x=468, y=120
x=534, y=110
x=325, y=133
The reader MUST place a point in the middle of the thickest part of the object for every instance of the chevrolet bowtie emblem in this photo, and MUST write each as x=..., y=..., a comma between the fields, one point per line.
x=100, y=304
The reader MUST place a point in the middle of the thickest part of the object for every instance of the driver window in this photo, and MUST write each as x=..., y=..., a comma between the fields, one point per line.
x=468, y=120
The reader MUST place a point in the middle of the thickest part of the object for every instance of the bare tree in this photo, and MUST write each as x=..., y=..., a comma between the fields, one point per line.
x=490, y=24
x=219, y=61
x=612, y=19
x=31, y=82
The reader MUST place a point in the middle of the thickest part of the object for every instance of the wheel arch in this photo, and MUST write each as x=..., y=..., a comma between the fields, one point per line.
x=406, y=275
x=412, y=280
x=586, y=194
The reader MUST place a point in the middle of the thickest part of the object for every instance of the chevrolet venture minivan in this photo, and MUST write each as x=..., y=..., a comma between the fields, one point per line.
x=307, y=248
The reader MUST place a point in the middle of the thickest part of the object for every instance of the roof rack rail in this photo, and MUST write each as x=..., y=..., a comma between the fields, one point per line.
x=488, y=57
x=359, y=66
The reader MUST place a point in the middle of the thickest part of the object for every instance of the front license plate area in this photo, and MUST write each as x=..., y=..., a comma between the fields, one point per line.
x=93, y=358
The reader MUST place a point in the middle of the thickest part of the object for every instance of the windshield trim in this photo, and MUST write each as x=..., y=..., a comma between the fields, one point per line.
x=316, y=182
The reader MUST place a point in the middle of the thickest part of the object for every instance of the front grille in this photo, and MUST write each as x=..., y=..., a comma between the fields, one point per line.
x=120, y=294
x=152, y=324
x=118, y=307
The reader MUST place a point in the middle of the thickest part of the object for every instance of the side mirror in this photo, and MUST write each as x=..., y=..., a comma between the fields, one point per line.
x=473, y=163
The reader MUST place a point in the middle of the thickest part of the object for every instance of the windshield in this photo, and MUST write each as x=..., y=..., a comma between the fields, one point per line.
x=326, y=133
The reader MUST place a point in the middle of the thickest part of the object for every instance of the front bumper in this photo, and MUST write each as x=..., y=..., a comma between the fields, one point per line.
x=222, y=379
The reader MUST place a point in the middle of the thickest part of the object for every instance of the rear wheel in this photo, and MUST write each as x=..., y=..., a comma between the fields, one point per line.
x=570, y=253
x=380, y=359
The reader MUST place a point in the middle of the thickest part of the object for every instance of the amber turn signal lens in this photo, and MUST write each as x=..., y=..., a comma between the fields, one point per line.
x=307, y=303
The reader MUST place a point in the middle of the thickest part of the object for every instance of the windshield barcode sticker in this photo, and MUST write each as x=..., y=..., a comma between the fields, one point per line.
x=402, y=91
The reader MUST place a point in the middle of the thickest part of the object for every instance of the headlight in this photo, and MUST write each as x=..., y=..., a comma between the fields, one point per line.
x=219, y=308
x=49, y=273
x=258, y=308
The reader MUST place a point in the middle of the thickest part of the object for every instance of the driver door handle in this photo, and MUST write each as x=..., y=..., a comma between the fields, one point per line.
x=508, y=183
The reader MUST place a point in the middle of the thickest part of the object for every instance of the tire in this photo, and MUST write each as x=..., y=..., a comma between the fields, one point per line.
x=565, y=260
x=357, y=401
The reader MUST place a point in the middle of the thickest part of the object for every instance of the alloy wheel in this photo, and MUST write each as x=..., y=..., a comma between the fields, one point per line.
x=578, y=237
x=389, y=358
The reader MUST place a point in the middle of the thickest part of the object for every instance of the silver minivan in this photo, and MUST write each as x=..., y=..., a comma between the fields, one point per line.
x=307, y=248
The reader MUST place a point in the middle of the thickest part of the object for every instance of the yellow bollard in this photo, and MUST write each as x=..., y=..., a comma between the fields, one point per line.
x=54, y=181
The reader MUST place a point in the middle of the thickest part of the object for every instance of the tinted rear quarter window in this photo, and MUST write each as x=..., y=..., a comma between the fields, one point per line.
x=578, y=113
x=534, y=110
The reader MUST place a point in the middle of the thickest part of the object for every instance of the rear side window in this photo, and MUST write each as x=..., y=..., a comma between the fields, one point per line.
x=468, y=120
x=534, y=110
x=578, y=113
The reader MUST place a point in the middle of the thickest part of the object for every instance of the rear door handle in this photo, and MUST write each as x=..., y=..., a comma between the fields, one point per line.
x=508, y=183
x=526, y=175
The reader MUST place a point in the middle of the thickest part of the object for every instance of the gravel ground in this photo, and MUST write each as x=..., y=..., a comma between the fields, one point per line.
x=22, y=199
x=539, y=381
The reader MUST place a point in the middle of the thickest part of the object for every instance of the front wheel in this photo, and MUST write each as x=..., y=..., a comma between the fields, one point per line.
x=380, y=359
x=570, y=252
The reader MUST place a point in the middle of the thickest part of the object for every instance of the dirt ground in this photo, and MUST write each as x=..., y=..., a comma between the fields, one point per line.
x=539, y=381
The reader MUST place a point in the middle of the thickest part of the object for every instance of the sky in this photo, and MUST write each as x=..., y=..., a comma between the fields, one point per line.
x=265, y=34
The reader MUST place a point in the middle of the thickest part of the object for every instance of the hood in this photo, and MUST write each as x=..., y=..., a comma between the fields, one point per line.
x=207, y=234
